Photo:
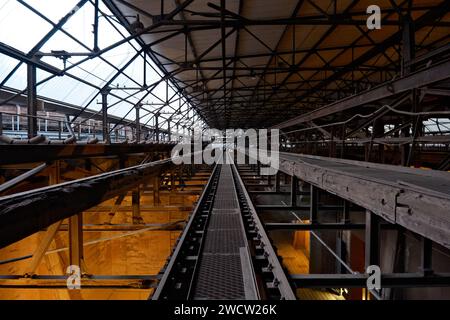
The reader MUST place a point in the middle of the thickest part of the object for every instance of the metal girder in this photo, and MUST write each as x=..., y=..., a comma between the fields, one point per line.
x=388, y=280
x=395, y=193
x=415, y=199
x=422, y=78
x=148, y=47
x=431, y=15
x=14, y=154
x=25, y=213
x=321, y=226
x=15, y=181
x=313, y=226
x=215, y=24
x=231, y=94
x=21, y=56
x=53, y=105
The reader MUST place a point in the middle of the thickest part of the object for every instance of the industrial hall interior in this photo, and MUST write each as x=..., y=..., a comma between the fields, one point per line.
x=225, y=150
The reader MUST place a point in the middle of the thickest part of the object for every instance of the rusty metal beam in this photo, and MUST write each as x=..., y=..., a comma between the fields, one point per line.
x=422, y=78
x=13, y=154
x=25, y=213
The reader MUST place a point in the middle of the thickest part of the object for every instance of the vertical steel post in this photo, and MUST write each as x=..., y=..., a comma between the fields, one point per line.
x=136, y=204
x=277, y=182
x=372, y=237
x=138, y=125
x=76, y=239
x=96, y=48
x=31, y=101
x=156, y=199
x=157, y=126
x=427, y=252
x=105, y=127
x=168, y=130
x=314, y=203
x=294, y=188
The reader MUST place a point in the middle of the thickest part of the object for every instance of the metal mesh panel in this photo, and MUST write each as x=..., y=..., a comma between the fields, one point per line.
x=220, y=274
x=225, y=203
x=223, y=241
x=220, y=278
x=224, y=221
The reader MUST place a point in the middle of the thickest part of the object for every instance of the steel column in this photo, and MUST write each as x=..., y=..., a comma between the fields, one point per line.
x=294, y=189
x=314, y=204
x=76, y=240
x=31, y=101
x=136, y=205
x=157, y=126
x=277, y=182
x=372, y=237
x=427, y=253
x=156, y=182
x=137, y=124
x=105, y=128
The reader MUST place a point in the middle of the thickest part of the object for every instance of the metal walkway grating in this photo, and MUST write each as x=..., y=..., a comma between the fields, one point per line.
x=221, y=272
x=213, y=258
x=220, y=278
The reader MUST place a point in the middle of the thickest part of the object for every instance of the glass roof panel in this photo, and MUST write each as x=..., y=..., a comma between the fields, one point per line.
x=26, y=28
x=21, y=28
x=52, y=11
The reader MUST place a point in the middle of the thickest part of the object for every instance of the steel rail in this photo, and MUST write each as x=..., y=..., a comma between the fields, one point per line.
x=275, y=281
x=205, y=243
x=179, y=270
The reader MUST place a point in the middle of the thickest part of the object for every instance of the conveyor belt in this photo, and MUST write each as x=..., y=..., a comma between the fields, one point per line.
x=225, y=260
x=224, y=253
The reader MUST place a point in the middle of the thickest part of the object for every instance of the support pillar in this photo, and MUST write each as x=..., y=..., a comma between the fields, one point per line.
x=427, y=253
x=156, y=182
x=372, y=237
x=76, y=240
x=136, y=205
x=31, y=101
x=277, y=182
x=341, y=248
x=408, y=54
x=105, y=126
x=44, y=244
x=314, y=204
x=168, y=130
x=408, y=48
x=157, y=126
x=294, y=188
x=137, y=124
